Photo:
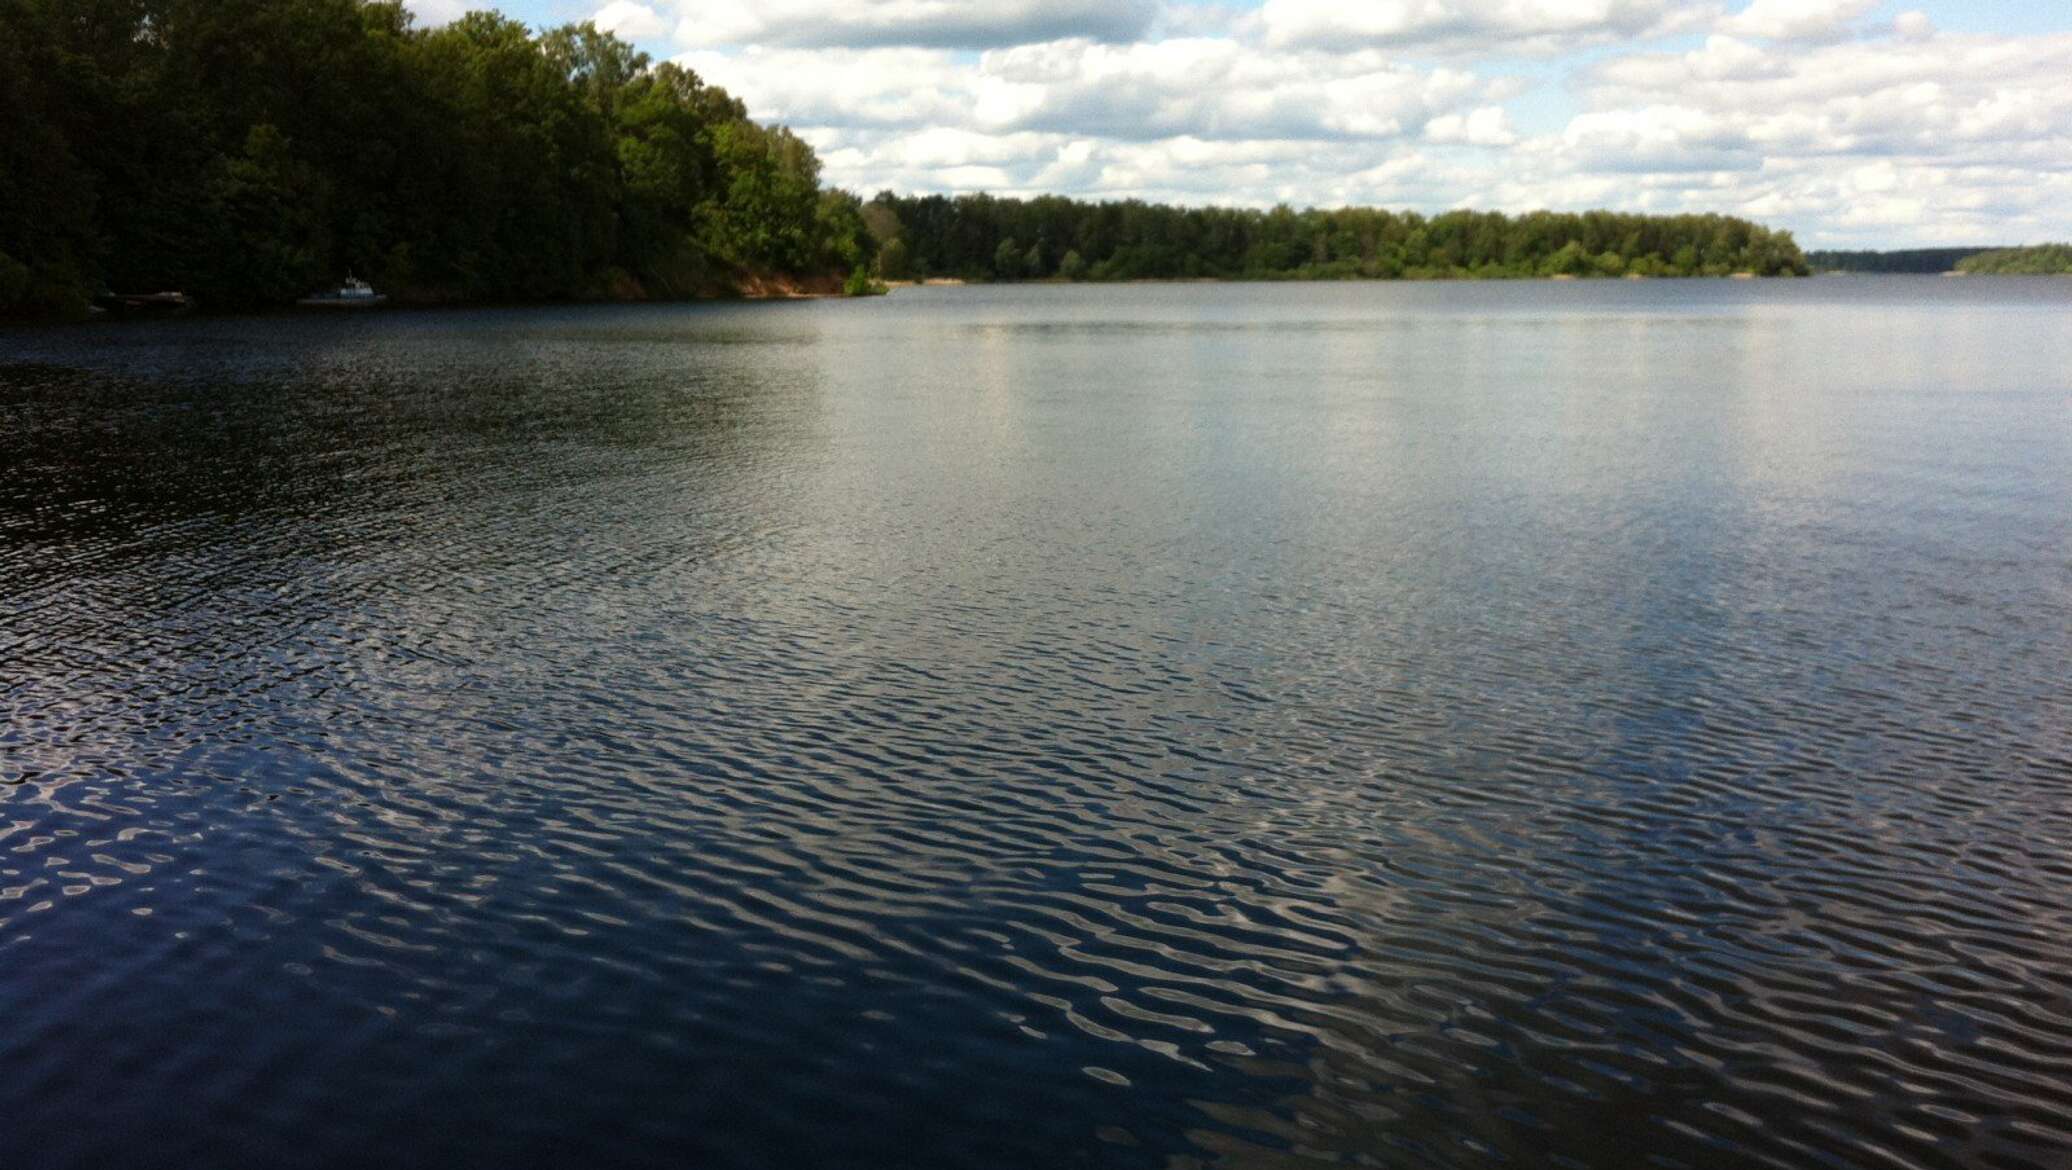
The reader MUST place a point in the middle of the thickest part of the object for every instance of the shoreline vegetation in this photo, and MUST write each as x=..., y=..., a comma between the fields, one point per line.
x=2032, y=260
x=1053, y=238
x=1906, y=262
x=2039, y=260
x=245, y=152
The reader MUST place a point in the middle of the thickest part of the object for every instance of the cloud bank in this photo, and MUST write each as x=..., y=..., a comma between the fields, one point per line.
x=1846, y=121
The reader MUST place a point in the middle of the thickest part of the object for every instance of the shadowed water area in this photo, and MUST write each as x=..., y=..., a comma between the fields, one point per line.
x=1582, y=725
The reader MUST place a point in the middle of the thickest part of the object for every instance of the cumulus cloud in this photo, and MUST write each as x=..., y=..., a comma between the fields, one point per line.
x=1917, y=137
x=1206, y=88
x=1658, y=139
x=634, y=22
x=1949, y=98
x=1532, y=26
x=1488, y=126
x=1913, y=26
x=847, y=88
x=436, y=12
x=1182, y=169
x=961, y=24
x=1797, y=20
x=1813, y=114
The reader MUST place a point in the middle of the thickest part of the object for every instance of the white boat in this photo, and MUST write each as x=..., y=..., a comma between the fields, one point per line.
x=353, y=294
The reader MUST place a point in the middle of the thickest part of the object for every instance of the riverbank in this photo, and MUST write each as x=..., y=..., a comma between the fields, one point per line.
x=772, y=287
x=748, y=287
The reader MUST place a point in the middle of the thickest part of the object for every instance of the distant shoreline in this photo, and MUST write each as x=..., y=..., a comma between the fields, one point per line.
x=783, y=293
x=1558, y=278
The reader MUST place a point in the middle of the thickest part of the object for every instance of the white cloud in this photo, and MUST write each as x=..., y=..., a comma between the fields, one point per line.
x=962, y=24
x=1198, y=87
x=634, y=22
x=1529, y=26
x=1183, y=169
x=1812, y=114
x=1913, y=26
x=1916, y=138
x=1951, y=98
x=1488, y=126
x=1797, y=20
x=437, y=12
x=846, y=87
x=1658, y=139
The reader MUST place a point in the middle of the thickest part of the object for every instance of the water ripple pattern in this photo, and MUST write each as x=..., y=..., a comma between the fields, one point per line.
x=1572, y=726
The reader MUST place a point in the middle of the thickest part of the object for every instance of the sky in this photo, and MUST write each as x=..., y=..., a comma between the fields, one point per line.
x=1854, y=123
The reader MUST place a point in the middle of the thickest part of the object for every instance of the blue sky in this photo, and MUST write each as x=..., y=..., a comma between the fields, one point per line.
x=1852, y=122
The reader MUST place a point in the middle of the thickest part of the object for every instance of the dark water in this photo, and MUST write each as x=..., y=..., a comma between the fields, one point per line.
x=1593, y=725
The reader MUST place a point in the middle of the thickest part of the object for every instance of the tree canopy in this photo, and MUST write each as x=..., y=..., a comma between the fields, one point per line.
x=249, y=150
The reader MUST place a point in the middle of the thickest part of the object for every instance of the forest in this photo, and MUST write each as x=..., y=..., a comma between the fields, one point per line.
x=988, y=238
x=248, y=151
x=2038, y=260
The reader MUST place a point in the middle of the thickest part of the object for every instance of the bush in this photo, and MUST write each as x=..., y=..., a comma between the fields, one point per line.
x=860, y=283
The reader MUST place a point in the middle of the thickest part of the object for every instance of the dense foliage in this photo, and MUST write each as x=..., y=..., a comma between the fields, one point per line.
x=247, y=151
x=983, y=237
x=2041, y=260
x=1912, y=262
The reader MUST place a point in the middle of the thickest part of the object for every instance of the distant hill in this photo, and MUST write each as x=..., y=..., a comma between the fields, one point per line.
x=1916, y=262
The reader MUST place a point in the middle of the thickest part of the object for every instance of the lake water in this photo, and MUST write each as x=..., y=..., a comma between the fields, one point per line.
x=1582, y=725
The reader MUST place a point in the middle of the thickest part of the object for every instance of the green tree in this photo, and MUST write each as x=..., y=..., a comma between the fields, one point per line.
x=48, y=242
x=269, y=211
x=1569, y=260
x=893, y=261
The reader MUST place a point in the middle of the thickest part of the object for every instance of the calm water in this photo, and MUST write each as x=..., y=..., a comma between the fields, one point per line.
x=1528, y=725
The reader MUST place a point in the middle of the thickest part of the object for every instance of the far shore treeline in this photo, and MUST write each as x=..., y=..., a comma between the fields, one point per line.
x=2035, y=260
x=249, y=151
x=989, y=238
x=2039, y=260
x=1906, y=262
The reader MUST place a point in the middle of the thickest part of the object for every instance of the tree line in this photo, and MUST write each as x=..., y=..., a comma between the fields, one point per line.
x=2039, y=260
x=248, y=151
x=989, y=238
x=1908, y=262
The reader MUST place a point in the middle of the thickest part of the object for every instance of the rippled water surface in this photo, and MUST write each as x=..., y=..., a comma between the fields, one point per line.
x=1534, y=725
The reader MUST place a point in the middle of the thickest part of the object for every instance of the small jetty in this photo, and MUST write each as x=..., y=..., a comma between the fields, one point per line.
x=353, y=294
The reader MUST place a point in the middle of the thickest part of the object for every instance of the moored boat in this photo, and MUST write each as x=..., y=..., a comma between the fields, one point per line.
x=353, y=294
